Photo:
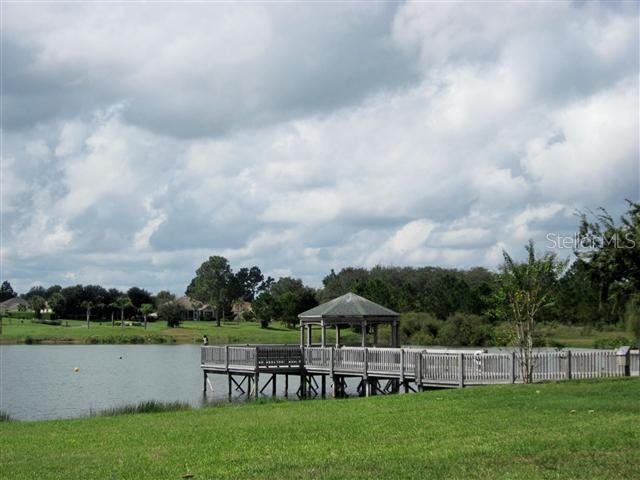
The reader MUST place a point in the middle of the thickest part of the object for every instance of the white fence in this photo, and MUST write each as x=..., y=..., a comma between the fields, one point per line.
x=426, y=367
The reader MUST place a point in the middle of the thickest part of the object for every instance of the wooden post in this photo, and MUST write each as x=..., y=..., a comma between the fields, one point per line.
x=334, y=387
x=309, y=335
x=513, y=367
x=364, y=333
x=461, y=370
x=418, y=372
x=394, y=334
x=226, y=357
x=286, y=385
x=323, y=338
x=256, y=384
x=301, y=335
x=273, y=385
x=204, y=382
x=323, y=386
x=365, y=376
x=337, y=335
x=402, y=365
x=569, y=364
x=331, y=355
x=375, y=335
x=229, y=381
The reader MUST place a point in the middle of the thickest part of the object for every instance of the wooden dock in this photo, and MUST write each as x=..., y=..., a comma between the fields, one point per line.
x=388, y=370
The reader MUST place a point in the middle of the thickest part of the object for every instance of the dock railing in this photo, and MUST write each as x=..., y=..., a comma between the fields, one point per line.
x=425, y=367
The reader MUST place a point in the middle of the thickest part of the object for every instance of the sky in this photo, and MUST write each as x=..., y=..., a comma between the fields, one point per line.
x=138, y=139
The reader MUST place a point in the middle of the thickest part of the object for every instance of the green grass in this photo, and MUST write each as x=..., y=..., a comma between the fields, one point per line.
x=76, y=331
x=569, y=430
x=575, y=336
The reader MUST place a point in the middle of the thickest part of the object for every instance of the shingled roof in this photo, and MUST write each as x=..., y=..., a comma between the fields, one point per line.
x=349, y=305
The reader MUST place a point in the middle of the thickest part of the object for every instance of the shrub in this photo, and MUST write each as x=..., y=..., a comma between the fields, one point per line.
x=171, y=313
x=150, y=406
x=461, y=330
x=616, y=342
x=424, y=324
x=5, y=417
x=421, y=338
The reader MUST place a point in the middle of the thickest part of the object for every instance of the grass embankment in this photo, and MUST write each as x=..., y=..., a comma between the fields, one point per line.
x=586, y=429
x=76, y=331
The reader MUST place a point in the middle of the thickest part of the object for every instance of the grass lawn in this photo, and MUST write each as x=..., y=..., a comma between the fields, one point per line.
x=75, y=331
x=25, y=331
x=577, y=429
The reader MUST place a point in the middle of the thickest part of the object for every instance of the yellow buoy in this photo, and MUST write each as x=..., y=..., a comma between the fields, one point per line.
x=76, y=369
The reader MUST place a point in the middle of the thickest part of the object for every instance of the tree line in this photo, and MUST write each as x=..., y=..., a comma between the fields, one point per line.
x=599, y=285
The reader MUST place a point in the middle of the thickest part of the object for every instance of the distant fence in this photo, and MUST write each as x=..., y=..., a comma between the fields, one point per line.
x=423, y=366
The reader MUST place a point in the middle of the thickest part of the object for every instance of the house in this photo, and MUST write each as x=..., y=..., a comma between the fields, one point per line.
x=195, y=310
x=239, y=307
x=13, y=304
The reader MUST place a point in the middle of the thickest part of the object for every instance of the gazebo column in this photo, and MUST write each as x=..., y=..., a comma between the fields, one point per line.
x=337, y=335
x=364, y=333
x=301, y=334
x=323, y=337
x=375, y=334
x=395, y=337
x=309, y=334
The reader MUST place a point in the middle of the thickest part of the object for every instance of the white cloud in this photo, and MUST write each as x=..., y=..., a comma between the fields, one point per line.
x=276, y=136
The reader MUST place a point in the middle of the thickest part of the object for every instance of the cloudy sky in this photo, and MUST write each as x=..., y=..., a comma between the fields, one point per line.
x=138, y=139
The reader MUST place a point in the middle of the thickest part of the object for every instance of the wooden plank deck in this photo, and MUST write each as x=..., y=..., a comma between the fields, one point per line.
x=422, y=367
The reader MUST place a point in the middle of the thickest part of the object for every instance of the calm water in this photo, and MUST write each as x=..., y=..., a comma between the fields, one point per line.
x=39, y=382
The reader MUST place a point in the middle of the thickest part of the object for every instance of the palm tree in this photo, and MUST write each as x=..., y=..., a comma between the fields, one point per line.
x=88, y=306
x=146, y=309
x=122, y=303
x=113, y=306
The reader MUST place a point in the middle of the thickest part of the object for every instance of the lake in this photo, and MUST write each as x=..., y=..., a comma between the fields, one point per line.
x=39, y=382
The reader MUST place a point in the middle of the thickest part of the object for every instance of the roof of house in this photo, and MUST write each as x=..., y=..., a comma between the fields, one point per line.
x=349, y=306
x=13, y=303
x=191, y=304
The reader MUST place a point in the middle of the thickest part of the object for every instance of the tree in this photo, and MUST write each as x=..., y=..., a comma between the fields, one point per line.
x=6, y=291
x=57, y=304
x=146, y=309
x=123, y=303
x=35, y=291
x=284, y=301
x=213, y=284
x=248, y=280
x=37, y=304
x=139, y=296
x=172, y=313
x=264, y=307
x=88, y=306
x=164, y=296
x=524, y=290
x=611, y=254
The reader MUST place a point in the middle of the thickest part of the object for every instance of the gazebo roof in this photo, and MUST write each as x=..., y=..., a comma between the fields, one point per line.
x=347, y=308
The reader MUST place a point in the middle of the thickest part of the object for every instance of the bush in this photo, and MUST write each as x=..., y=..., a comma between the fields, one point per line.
x=416, y=326
x=607, y=343
x=421, y=338
x=151, y=406
x=463, y=330
x=5, y=417
x=172, y=313
x=45, y=321
x=248, y=316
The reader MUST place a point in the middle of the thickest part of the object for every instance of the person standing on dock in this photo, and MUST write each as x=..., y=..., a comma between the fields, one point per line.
x=205, y=340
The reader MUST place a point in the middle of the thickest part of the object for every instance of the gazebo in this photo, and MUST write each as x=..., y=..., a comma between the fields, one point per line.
x=347, y=311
